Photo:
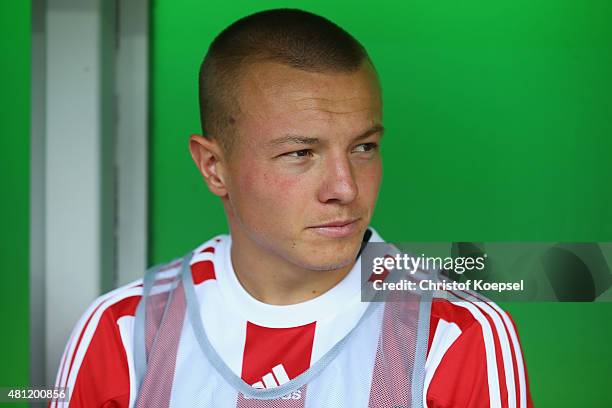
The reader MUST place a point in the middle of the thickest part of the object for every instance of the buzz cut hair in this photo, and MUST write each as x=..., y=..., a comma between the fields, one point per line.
x=292, y=37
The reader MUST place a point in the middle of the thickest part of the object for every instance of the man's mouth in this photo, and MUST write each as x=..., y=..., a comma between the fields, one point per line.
x=337, y=228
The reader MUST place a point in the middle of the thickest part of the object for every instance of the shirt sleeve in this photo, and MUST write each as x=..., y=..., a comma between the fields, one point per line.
x=95, y=366
x=475, y=362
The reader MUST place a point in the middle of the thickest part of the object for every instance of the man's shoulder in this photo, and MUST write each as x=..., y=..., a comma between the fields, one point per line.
x=472, y=343
x=124, y=299
x=464, y=308
x=111, y=306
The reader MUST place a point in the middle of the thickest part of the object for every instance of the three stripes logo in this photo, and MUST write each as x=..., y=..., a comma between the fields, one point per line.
x=277, y=377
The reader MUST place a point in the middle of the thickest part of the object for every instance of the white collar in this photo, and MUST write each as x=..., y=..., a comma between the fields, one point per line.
x=345, y=293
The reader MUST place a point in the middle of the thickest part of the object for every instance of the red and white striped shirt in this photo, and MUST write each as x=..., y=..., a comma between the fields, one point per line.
x=474, y=357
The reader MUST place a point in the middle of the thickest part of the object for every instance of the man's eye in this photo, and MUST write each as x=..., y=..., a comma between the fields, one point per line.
x=366, y=147
x=300, y=153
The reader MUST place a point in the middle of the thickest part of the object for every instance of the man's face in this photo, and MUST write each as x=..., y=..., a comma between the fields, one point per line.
x=304, y=173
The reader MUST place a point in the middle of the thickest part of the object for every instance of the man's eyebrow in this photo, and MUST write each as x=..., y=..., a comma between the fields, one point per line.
x=296, y=139
x=293, y=139
x=378, y=128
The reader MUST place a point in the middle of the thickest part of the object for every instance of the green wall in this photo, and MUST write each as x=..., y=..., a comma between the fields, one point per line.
x=14, y=202
x=498, y=119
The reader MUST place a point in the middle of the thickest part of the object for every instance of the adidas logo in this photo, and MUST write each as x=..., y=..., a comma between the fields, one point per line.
x=277, y=377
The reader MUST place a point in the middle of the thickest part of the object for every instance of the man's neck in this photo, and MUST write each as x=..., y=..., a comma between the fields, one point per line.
x=271, y=279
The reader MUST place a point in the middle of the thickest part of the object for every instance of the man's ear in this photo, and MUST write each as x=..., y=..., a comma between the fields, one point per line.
x=207, y=156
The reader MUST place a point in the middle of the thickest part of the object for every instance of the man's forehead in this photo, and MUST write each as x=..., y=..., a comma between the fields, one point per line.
x=333, y=104
x=277, y=101
x=270, y=85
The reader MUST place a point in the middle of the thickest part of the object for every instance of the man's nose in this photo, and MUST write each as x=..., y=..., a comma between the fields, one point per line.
x=338, y=182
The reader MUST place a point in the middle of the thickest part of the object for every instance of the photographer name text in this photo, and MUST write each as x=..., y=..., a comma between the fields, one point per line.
x=436, y=285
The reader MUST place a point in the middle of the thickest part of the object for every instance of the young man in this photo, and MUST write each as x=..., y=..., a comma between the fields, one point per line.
x=291, y=114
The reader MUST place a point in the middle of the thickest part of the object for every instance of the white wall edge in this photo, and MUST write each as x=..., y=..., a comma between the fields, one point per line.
x=132, y=139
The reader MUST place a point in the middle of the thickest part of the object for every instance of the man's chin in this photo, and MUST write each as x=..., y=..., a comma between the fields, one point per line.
x=332, y=265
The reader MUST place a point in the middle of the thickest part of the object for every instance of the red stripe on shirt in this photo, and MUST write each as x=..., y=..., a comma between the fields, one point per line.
x=103, y=377
x=499, y=359
x=202, y=271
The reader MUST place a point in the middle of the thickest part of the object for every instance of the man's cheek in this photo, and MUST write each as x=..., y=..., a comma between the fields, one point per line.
x=283, y=187
x=259, y=187
x=267, y=195
x=369, y=182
